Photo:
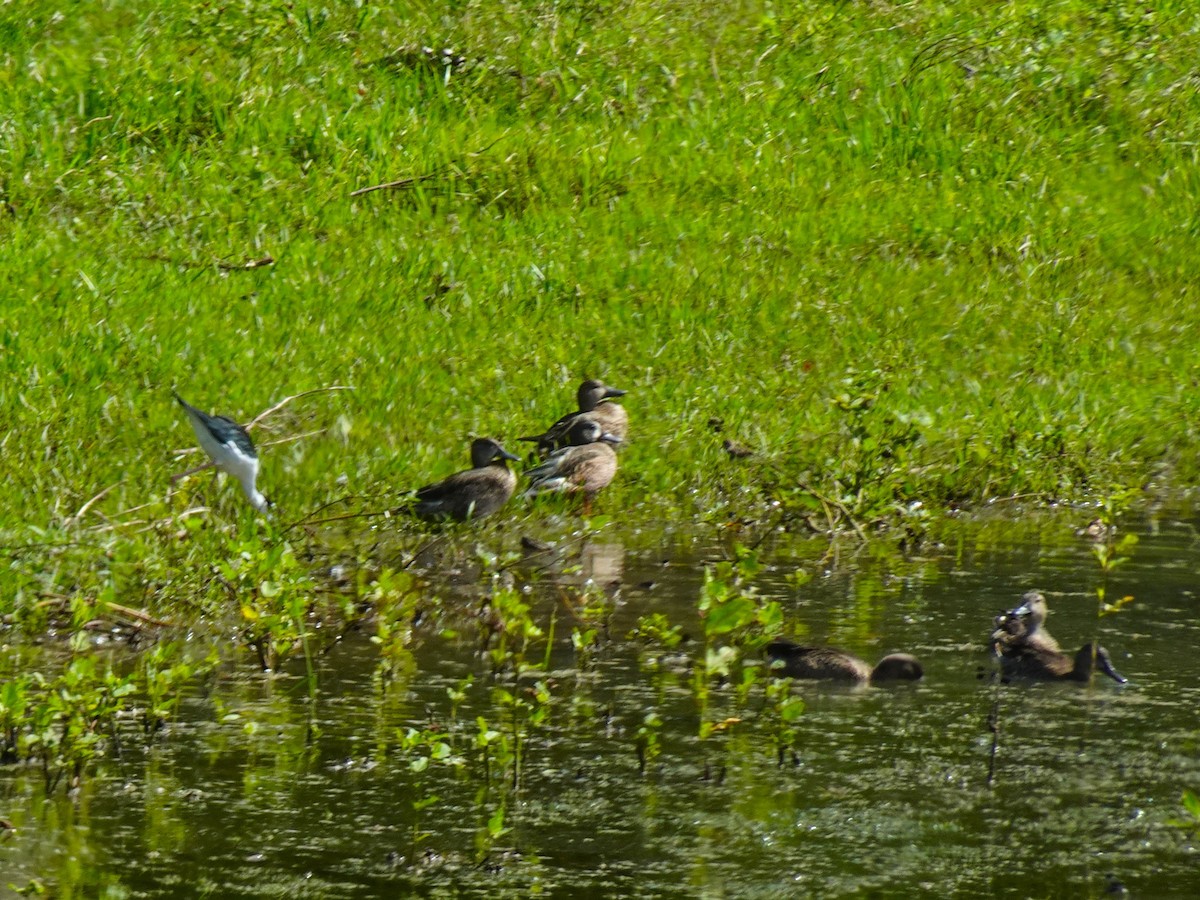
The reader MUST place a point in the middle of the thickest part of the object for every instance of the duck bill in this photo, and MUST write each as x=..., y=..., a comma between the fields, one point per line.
x=613, y=392
x=610, y=438
x=504, y=454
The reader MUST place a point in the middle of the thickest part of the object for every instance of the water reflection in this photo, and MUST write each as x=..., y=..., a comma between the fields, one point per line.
x=261, y=790
x=602, y=564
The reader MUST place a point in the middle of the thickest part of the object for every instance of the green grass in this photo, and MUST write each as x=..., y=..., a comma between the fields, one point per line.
x=933, y=252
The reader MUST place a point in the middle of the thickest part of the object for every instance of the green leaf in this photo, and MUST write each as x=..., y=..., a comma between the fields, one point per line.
x=495, y=823
x=1191, y=802
x=791, y=710
x=732, y=614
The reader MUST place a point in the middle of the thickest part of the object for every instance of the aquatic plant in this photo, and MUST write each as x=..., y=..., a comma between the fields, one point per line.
x=274, y=595
x=785, y=710
x=656, y=637
x=1190, y=820
x=508, y=630
x=1111, y=551
x=423, y=748
x=62, y=724
x=737, y=622
x=165, y=671
x=394, y=596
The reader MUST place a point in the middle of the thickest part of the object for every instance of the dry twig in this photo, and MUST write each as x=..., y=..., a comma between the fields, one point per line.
x=75, y=519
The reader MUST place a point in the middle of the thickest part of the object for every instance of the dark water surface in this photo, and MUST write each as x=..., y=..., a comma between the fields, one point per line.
x=255, y=791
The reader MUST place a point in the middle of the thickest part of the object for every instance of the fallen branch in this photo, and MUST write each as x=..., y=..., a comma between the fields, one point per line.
x=391, y=185
x=836, y=504
x=138, y=615
x=286, y=400
x=305, y=520
x=362, y=515
x=192, y=471
x=259, y=263
x=1036, y=495
x=75, y=519
x=61, y=600
x=294, y=437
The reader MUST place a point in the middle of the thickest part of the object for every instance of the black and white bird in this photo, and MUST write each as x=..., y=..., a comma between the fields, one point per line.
x=229, y=446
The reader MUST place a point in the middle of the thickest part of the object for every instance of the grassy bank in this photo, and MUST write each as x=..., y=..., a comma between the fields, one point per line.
x=929, y=252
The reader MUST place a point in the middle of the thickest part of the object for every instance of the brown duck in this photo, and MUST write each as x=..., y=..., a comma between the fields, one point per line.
x=793, y=661
x=594, y=398
x=1031, y=661
x=1023, y=625
x=587, y=465
x=473, y=493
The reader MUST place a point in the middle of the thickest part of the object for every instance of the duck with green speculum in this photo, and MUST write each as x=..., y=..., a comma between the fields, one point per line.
x=587, y=465
x=595, y=401
x=473, y=493
x=791, y=660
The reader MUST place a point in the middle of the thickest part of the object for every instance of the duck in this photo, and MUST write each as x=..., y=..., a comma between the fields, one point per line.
x=1023, y=625
x=1034, y=662
x=594, y=399
x=587, y=465
x=472, y=493
x=229, y=447
x=735, y=450
x=794, y=661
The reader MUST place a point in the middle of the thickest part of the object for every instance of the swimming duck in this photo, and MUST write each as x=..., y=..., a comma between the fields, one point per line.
x=1022, y=625
x=587, y=465
x=794, y=661
x=593, y=398
x=473, y=493
x=1030, y=661
x=229, y=446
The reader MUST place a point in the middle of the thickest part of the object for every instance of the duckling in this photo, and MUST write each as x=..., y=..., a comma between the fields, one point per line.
x=793, y=661
x=587, y=465
x=473, y=493
x=594, y=400
x=1029, y=661
x=229, y=446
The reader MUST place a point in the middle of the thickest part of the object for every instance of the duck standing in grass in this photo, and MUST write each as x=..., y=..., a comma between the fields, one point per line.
x=586, y=465
x=826, y=664
x=229, y=446
x=473, y=493
x=594, y=398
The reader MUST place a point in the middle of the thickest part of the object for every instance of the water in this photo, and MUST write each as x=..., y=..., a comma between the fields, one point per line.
x=257, y=792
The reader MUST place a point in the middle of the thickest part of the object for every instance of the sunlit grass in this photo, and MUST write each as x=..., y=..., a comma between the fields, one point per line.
x=927, y=252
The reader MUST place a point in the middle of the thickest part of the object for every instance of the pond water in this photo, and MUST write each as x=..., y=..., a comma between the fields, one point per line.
x=260, y=790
